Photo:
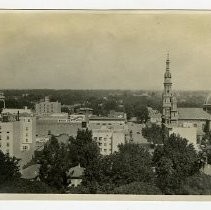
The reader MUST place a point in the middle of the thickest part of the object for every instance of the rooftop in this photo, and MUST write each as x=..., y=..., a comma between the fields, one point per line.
x=76, y=172
x=193, y=114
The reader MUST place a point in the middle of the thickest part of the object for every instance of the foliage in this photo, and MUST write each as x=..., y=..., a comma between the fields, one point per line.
x=54, y=164
x=137, y=188
x=174, y=162
x=9, y=168
x=155, y=134
x=83, y=149
x=199, y=184
x=132, y=163
x=26, y=186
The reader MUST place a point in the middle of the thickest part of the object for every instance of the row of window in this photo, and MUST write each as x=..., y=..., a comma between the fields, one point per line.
x=105, y=150
x=105, y=144
x=6, y=144
x=109, y=124
x=100, y=138
x=6, y=138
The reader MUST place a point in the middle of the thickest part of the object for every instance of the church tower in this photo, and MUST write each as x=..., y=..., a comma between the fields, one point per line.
x=170, y=113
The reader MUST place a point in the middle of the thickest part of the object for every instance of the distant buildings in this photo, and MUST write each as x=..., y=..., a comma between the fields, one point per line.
x=45, y=108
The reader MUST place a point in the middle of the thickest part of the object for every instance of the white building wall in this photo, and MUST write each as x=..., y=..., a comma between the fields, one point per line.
x=189, y=133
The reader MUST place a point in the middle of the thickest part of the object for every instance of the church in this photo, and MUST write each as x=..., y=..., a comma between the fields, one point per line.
x=179, y=118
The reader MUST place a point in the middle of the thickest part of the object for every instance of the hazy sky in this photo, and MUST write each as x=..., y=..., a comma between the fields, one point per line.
x=103, y=50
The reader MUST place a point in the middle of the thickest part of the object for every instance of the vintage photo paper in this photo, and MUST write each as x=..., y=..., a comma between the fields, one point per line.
x=105, y=104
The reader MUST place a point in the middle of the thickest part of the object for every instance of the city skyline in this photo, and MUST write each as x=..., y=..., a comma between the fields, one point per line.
x=64, y=50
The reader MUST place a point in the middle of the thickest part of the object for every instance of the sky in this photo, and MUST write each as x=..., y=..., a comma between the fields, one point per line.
x=104, y=50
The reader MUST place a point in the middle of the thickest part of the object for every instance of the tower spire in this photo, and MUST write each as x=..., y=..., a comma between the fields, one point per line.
x=167, y=62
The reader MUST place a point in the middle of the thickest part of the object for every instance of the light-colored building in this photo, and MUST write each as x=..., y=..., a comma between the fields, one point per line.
x=46, y=107
x=154, y=116
x=108, y=132
x=57, y=126
x=187, y=132
x=17, y=134
x=196, y=117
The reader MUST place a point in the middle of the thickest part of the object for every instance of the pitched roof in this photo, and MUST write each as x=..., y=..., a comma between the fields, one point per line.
x=31, y=172
x=193, y=114
x=76, y=172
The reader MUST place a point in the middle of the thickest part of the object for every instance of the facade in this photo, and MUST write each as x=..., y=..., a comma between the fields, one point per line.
x=46, y=107
x=154, y=116
x=17, y=134
x=108, y=132
x=195, y=117
x=189, y=133
x=169, y=102
x=49, y=125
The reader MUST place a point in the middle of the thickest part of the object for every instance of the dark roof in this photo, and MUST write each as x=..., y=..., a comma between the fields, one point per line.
x=193, y=114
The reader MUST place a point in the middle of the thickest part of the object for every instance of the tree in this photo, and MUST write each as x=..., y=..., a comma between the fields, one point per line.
x=198, y=184
x=154, y=134
x=141, y=112
x=174, y=162
x=83, y=149
x=9, y=168
x=54, y=164
x=137, y=188
x=26, y=186
x=132, y=163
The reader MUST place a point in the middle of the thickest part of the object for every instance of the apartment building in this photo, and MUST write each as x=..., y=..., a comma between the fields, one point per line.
x=47, y=107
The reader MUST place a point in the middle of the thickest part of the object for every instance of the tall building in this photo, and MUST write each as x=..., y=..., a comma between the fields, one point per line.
x=46, y=107
x=169, y=101
x=17, y=134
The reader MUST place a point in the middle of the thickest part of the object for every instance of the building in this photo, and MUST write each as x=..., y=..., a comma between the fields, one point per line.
x=108, y=132
x=58, y=124
x=169, y=101
x=45, y=108
x=75, y=174
x=17, y=134
x=155, y=116
x=187, y=132
x=194, y=117
x=207, y=104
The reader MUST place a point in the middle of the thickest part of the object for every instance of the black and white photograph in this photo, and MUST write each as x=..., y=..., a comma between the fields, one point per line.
x=105, y=102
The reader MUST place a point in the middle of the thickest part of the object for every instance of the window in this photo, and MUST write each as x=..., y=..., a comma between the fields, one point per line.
x=27, y=140
x=0, y=127
x=105, y=144
x=8, y=132
x=27, y=128
x=100, y=138
x=8, y=144
x=0, y=144
x=95, y=138
x=8, y=137
x=26, y=134
x=0, y=137
x=105, y=150
x=105, y=139
x=29, y=120
x=195, y=125
x=25, y=147
x=104, y=123
x=99, y=144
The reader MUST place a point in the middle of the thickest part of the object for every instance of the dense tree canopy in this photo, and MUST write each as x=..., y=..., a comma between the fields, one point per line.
x=174, y=162
x=9, y=168
x=132, y=163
